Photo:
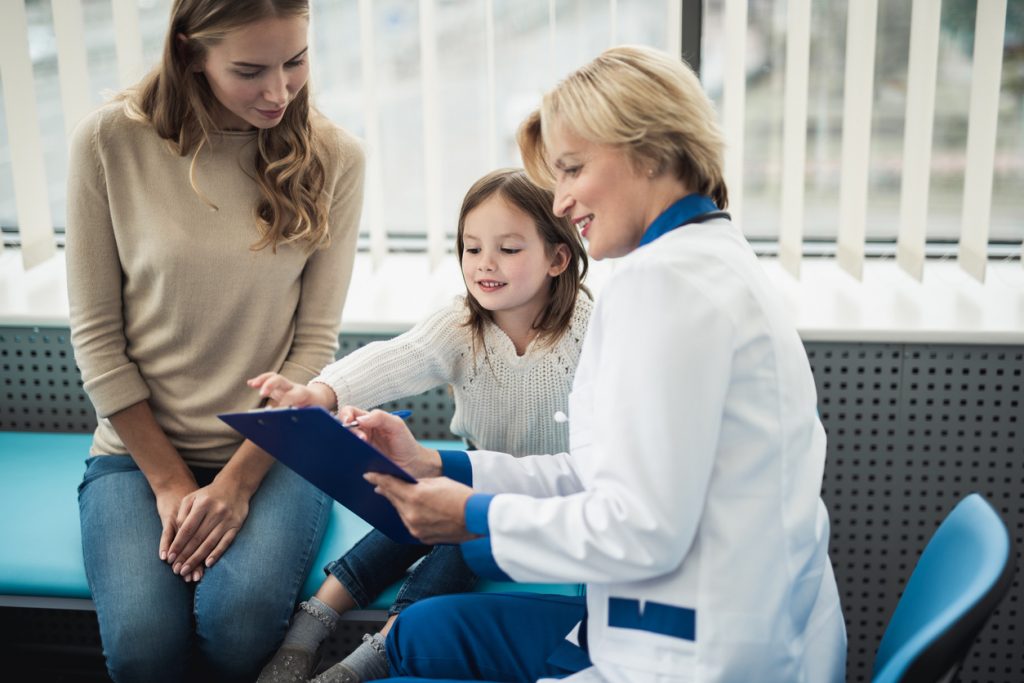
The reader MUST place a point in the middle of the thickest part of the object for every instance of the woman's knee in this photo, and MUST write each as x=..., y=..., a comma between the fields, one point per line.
x=140, y=646
x=235, y=635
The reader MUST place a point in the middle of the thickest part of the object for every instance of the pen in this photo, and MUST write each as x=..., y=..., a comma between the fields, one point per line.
x=404, y=414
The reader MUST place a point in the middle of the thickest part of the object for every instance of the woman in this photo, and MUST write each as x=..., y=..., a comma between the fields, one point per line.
x=689, y=501
x=211, y=233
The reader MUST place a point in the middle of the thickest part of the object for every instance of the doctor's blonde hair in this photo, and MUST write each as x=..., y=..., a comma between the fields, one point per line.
x=641, y=100
x=177, y=101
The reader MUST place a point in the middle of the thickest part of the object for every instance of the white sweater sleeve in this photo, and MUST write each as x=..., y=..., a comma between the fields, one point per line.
x=406, y=365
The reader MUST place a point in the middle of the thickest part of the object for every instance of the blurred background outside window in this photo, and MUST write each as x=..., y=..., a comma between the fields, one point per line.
x=531, y=52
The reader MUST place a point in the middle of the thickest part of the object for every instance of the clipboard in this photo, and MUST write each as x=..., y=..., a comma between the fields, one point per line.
x=314, y=444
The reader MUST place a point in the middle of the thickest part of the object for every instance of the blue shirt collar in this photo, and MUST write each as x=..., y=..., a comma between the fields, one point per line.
x=680, y=213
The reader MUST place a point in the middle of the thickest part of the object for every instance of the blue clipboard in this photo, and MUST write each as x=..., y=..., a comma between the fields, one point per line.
x=314, y=444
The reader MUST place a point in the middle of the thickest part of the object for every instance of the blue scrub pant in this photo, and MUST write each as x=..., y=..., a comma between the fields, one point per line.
x=487, y=637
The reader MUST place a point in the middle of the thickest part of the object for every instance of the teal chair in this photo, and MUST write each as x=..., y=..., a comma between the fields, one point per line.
x=965, y=570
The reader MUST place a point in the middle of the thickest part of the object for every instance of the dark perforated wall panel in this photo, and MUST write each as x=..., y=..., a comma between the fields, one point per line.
x=41, y=390
x=54, y=645
x=912, y=429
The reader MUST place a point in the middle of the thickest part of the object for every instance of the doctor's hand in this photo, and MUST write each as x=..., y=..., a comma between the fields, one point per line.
x=208, y=520
x=281, y=391
x=434, y=510
x=391, y=436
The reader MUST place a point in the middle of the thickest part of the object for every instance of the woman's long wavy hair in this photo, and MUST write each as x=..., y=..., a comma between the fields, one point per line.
x=177, y=101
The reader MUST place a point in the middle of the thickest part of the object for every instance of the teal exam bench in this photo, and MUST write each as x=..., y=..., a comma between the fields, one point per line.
x=41, y=543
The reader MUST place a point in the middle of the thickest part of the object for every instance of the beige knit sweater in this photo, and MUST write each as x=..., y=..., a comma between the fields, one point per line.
x=168, y=302
x=503, y=401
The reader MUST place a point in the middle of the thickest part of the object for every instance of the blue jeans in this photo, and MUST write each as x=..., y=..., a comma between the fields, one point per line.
x=376, y=562
x=487, y=637
x=154, y=626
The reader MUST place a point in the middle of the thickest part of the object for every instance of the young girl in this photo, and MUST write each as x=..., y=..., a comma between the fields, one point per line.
x=212, y=219
x=508, y=350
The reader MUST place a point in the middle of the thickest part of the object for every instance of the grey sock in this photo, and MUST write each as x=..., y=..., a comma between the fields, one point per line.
x=368, y=662
x=312, y=623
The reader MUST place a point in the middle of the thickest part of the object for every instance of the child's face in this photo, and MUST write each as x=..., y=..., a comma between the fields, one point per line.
x=505, y=263
x=257, y=70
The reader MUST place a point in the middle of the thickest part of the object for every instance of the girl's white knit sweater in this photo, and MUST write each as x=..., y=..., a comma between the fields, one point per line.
x=503, y=401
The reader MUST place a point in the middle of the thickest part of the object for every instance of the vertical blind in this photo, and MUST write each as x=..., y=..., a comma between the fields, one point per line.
x=24, y=137
x=857, y=98
x=30, y=189
x=981, y=136
x=917, y=137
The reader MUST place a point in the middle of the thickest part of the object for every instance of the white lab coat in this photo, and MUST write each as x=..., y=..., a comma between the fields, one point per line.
x=694, y=476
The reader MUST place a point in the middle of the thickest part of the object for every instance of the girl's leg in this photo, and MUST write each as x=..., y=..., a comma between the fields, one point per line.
x=334, y=594
x=312, y=623
x=442, y=571
x=354, y=580
x=487, y=636
x=373, y=565
x=243, y=603
x=144, y=610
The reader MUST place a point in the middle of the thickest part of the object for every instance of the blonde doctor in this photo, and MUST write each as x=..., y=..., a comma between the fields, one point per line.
x=689, y=502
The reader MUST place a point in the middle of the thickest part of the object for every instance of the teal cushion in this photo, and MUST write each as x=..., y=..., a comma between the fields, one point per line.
x=41, y=542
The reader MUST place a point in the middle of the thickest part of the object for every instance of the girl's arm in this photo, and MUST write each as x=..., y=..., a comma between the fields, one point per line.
x=420, y=359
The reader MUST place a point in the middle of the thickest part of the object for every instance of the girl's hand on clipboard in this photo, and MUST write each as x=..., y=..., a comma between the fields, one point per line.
x=281, y=391
x=390, y=435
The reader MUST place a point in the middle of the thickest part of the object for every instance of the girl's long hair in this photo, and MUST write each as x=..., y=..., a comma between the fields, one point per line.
x=513, y=186
x=177, y=101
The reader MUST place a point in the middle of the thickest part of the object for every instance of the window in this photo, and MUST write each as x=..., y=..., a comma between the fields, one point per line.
x=766, y=70
x=438, y=87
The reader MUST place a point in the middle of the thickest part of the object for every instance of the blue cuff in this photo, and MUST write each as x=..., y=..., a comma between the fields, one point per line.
x=456, y=465
x=476, y=513
x=477, y=554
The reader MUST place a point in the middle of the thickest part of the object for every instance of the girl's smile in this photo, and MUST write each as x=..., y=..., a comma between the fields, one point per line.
x=490, y=285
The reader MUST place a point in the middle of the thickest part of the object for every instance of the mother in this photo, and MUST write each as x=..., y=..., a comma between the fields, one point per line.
x=211, y=232
x=689, y=501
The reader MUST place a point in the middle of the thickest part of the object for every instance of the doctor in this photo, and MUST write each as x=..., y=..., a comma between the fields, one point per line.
x=689, y=501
